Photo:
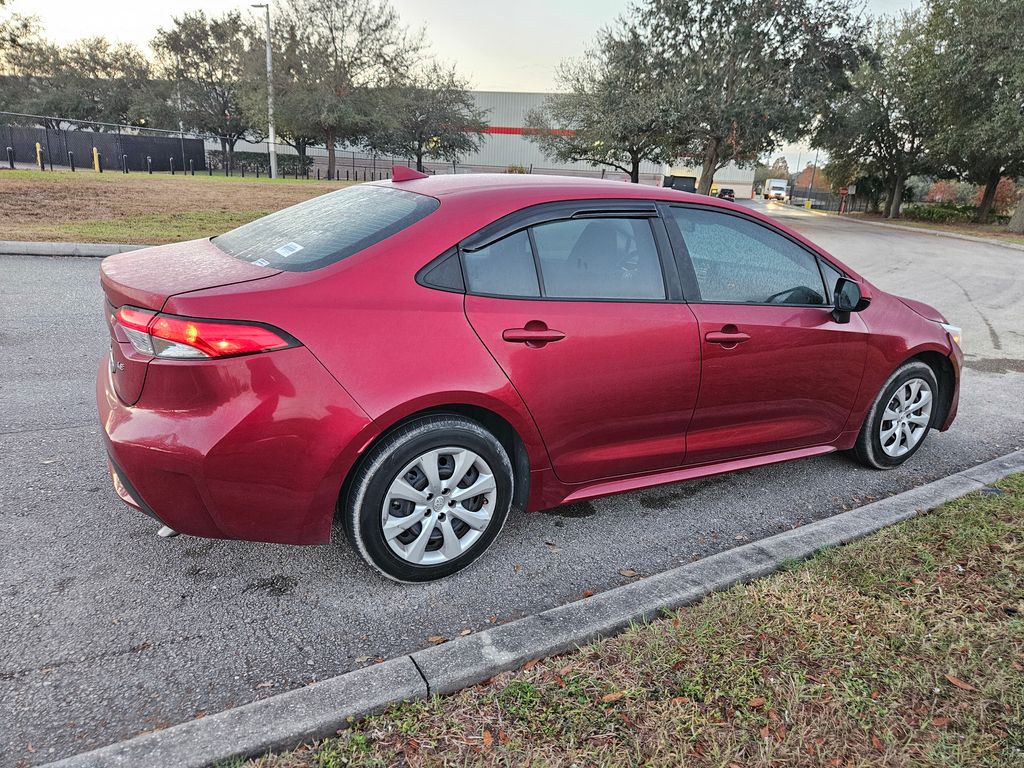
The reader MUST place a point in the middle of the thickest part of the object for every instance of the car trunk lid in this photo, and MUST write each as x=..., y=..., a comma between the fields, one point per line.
x=146, y=279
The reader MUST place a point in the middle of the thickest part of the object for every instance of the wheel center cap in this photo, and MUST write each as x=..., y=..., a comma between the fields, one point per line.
x=438, y=503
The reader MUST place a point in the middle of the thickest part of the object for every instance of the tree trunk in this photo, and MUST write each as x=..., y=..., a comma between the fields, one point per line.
x=897, y=196
x=419, y=161
x=890, y=193
x=1017, y=222
x=707, y=173
x=223, y=153
x=988, y=197
x=331, y=162
x=231, y=154
x=634, y=168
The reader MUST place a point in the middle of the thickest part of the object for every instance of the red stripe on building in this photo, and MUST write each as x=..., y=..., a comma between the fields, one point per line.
x=511, y=131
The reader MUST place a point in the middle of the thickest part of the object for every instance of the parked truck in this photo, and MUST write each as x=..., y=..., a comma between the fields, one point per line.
x=775, y=189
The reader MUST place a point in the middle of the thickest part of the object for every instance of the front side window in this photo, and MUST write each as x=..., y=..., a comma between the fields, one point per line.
x=503, y=268
x=327, y=228
x=738, y=261
x=600, y=258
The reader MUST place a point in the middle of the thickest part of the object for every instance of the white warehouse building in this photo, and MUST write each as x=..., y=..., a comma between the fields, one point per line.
x=506, y=144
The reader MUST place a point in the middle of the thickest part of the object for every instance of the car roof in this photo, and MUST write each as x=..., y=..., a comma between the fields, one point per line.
x=536, y=187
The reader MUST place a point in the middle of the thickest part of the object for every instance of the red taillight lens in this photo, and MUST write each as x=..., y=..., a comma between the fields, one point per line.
x=173, y=336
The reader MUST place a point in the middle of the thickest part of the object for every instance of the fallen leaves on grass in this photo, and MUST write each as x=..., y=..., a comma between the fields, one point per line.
x=959, y=683
x=608, y=698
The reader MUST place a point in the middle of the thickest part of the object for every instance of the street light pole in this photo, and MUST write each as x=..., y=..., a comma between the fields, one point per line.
x=272, y=137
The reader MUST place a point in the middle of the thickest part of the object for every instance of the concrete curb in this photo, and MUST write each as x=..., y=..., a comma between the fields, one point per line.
x=319, y=710
x=920, y=230
x=18, y=248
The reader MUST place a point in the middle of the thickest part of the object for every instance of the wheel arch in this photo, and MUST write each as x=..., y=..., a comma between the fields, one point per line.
x=945, y=375
x=498, y=425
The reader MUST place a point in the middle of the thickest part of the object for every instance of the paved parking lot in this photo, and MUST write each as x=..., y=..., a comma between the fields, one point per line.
x=109, y=631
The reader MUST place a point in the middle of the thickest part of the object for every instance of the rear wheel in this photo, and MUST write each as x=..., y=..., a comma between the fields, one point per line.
x=899, y=419
x=429, y=498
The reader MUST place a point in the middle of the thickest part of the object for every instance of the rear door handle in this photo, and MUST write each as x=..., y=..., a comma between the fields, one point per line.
x=726, y=338
x=534, y=334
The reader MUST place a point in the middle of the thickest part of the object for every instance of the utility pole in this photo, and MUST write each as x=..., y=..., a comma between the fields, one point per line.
x=271, y=137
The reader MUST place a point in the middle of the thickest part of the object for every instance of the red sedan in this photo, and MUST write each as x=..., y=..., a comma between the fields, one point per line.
x=420, y=357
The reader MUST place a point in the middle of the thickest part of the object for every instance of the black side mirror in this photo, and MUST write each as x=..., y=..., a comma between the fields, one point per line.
x=848, y=299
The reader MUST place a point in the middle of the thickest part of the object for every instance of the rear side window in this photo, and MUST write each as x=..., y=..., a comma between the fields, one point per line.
x=326, y=229
x=503, y=268
x=603, y=258
x=737, y=261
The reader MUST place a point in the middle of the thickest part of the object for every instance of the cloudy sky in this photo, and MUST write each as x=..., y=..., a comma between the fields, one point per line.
x=498, y=45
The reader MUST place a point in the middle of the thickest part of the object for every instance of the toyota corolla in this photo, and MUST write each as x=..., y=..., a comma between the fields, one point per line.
x=419, y=358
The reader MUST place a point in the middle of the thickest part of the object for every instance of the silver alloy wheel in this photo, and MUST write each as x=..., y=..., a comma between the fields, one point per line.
x=906, y=417
x=438, y=506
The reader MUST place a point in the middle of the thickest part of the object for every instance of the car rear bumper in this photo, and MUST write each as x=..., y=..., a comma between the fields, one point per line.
x=252, y=447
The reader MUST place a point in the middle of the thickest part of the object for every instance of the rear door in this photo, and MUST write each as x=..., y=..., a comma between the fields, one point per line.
x=588, y=325
x=778, y=372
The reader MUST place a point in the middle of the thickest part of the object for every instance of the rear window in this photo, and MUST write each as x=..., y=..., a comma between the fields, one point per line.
x=326, y=229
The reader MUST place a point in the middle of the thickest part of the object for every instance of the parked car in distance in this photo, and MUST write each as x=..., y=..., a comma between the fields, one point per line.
x=775, y=189
x=422, y=357
x=727, y=194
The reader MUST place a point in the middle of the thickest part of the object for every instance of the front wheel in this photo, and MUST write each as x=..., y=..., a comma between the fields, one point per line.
x=899, y=419
x=429, y=498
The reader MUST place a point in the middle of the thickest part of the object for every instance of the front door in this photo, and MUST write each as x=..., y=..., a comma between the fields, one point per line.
x=577, y=315
x=778, y=372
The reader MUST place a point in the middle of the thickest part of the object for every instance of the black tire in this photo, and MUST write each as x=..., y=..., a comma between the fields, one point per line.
x=362, y=508
x=868, y=449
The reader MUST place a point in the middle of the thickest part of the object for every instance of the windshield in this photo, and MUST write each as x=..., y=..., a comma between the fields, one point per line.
x=326, y=229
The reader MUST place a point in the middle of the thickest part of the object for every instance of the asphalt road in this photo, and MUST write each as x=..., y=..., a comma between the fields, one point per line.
x=109, y=631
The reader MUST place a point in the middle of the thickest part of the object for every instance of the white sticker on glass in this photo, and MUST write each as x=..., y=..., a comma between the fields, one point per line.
x=288, y=249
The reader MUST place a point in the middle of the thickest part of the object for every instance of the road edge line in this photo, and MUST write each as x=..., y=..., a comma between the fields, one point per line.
x=323, y=708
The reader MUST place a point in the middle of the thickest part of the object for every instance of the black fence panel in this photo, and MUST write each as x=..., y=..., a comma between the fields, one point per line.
x=55, y=145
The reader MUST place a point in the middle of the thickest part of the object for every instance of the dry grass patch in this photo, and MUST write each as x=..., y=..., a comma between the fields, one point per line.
x=138, y=208
x=905, y=649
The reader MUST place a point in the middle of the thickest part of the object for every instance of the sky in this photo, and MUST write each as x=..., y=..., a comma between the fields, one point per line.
x=498, y=45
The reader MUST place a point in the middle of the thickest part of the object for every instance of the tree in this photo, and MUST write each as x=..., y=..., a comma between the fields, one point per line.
x=90, y=79
x=1017, y=220
x=746, y=75
x=882, y=124
x=295, y=106
x=205, y=57
x=610, y=113
x=433, y=115
x=975, y=89
x=780, y=168
x=351, y=51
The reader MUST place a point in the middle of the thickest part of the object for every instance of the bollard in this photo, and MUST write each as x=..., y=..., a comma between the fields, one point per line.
x=71, y=160
x=257, y=171
x=10, y=157
x=192, y=166
x=209, y=168
x=99, y=161
x=149, y=164
x=172, y=165
x=39, y=156
x=124, y=162
x=346, y=174
x=364, y=174
x=318, y=174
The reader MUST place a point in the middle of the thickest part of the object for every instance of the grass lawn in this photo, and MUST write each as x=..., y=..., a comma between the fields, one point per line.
x=993, y=231
x=904, y=649
x=137, y=207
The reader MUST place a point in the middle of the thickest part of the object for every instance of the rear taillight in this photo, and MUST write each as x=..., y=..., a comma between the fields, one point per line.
x=173, y=336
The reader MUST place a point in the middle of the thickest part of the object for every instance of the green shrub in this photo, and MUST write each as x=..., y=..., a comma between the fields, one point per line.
x=286, y=164
x=940, y=214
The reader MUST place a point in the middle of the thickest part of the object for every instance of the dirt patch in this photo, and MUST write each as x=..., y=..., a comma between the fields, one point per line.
x=90, y=207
